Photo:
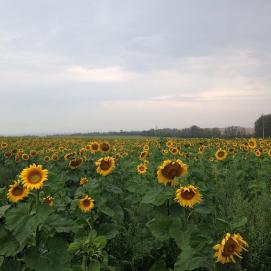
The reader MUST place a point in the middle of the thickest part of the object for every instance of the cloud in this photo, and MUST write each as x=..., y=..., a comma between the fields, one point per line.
x=107, y=74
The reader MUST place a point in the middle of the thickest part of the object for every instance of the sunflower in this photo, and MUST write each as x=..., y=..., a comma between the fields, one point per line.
x=188, y=196
x=83, y=181
x=258, y=153
x=143, y=155
x=46, y=159
x=7, y=154
x=104, y=147
x=17, y=192
x=105, y=166
x=34, y=176
x=86, y=204
x=33, y=153
x=221, y=154
x=174, y=151
x=167, y=172
x=94, y=147
x=230, y=246
x=75, y=163
x=25, y=156
x=4, y=145
x=142, y=169
x=252, y=143
x=48, y=200
x=55, y=157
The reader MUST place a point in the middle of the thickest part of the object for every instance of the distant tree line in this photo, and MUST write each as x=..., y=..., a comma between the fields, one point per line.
x=192, y=132
x=262, y=129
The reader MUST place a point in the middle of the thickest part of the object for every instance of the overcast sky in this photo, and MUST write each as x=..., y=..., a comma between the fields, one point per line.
x=88, y=65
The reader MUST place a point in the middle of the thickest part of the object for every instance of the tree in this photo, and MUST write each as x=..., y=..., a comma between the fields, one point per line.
x=263, y=126
x=234, y=131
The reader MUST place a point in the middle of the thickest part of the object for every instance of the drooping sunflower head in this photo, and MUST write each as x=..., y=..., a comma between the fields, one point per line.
x=86, y=204
x=143, y=155
x=104, y=147
x=142, y=168
x=75, y=163
x=188, y=196
x=221, y=154
x=17, y=191
x=231, y=245
x=169, y=170
x=105, y=165
x=252, y=143
x=34, y=176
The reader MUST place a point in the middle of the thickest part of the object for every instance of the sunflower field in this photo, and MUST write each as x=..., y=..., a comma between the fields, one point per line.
x=76, y=204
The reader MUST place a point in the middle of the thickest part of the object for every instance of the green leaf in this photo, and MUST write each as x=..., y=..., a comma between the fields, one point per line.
x=202, y=210
x=106, y=210
x=184, y=259
x=62, y=223
x=240, y=222
x=94, y=266
x=3, y=209
x=56, y=258
x=160, y=228
x=109, y=230
x=157, y=196
x=9, y=245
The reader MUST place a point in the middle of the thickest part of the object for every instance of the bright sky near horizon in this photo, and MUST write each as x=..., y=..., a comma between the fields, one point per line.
x=100, y=65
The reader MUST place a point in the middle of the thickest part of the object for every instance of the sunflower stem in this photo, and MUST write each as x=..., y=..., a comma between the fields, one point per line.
x=37, y=230
x=168, y=210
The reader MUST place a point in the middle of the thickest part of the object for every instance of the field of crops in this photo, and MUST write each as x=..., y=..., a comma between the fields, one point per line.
x=134, y=204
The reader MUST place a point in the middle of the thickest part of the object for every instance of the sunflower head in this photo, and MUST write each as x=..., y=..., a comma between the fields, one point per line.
x=142, y=168
x=169, y=170
x=34, y=176
x=75, y=163
x=48, y=200
x=252, y=143
x=143, y=155
x=83, y=181
x=86, y=204
x=231, y=245
x=104, y=147
x=188, y=196
x=221, y=154
x=94, y=147
x=105, y=165
x=17, y=191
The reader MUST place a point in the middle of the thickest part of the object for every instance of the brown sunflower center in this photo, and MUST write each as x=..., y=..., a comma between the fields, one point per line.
x=141, y=168
x=18, y=190
x=95, y=146
x=229, y=248
x=86, y=202
x=34, y=177
x=104, y=147
x=220, y=154
x=105, y=165
x=172, y=170
x=76, y=162
x=188, y=194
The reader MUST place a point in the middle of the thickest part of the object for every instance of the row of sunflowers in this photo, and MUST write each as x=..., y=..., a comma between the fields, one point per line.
x=129, y=203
